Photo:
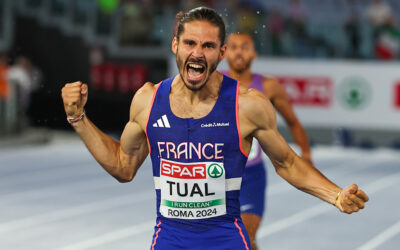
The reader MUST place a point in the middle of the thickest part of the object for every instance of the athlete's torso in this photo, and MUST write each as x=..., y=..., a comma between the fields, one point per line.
x=255, y=155
x=197, y=163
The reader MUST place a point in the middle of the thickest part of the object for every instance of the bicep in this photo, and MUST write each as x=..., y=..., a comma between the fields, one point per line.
x=134, y=142
x=134, y=148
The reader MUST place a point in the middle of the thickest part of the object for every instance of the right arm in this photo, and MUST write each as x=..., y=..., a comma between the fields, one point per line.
x=120, y=159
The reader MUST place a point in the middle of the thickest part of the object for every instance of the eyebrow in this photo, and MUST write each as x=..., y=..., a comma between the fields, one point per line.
x=212, y=44
x=187, y=40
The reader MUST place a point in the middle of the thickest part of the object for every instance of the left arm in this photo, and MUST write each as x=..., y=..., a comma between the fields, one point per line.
x=258, y=120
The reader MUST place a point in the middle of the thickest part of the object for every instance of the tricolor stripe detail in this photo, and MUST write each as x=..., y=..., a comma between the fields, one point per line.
x=155, y=238
x=241, y=234
x=231, y=184
x=237, y=119
x=148, y=117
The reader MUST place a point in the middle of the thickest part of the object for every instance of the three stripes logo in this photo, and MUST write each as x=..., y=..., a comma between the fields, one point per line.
x=162, y=122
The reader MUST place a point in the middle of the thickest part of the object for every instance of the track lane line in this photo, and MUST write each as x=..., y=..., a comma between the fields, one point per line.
x=306, y=214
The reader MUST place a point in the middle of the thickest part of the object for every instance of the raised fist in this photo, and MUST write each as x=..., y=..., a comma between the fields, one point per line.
x=74, y=96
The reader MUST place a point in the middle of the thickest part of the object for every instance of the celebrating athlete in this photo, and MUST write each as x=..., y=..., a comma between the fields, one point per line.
x=198, y=128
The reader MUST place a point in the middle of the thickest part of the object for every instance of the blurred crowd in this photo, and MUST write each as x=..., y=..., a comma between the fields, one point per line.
x=359, y=29
x=362, y=29
x=18, y=80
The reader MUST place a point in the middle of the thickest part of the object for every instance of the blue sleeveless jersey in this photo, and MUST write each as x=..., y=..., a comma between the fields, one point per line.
x=197, y=163
x=255, y=155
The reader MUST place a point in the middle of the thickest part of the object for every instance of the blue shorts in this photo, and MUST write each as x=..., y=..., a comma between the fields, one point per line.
x=224, y=236
x=252, y=191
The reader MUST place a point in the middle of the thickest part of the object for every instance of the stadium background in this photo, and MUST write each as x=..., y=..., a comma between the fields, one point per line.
x=338, y=60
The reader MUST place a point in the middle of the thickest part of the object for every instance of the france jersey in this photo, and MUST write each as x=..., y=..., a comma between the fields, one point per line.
x=255, y=155
x=254, y=180
x=197, y=168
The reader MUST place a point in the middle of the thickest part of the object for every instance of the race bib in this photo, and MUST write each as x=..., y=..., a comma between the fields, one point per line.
x=192, y=190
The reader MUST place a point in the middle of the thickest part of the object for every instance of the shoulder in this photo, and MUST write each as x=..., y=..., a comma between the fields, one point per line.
x=254, y=107
x=142, y=100
x=148, y=89
x=249, y=94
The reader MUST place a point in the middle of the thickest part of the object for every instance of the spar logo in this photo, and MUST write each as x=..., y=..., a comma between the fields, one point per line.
x=215, y=170
x=183, y=171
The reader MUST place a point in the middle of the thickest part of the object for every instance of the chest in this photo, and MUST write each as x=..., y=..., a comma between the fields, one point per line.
x=210, y=137
x=181, y=107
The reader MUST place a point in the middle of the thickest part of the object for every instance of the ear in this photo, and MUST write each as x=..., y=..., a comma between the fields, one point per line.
x=174, y=45
x=222, y=52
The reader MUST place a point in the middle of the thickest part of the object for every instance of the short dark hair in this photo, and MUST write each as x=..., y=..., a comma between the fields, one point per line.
x=200, y=14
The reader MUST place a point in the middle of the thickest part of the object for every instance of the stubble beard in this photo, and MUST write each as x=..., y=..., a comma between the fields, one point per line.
x=198, y=86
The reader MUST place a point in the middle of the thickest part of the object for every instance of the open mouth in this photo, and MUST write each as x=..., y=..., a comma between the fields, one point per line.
x=195, y=72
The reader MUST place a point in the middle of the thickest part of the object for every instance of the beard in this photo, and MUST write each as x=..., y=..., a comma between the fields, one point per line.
x=209, y=69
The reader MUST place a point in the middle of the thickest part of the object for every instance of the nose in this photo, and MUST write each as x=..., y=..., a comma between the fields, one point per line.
x=198, y=51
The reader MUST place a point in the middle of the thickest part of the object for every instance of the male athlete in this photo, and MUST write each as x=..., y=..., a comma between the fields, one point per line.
x=198, y=127
x=240, y=52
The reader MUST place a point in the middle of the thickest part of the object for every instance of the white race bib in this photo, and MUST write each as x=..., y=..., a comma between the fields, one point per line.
x=192, y=190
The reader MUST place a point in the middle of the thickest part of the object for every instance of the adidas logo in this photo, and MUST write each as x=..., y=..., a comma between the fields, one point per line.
x=162, y=122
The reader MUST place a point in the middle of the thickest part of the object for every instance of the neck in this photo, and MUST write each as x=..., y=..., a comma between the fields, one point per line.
x=209, y=90
x=244, y=77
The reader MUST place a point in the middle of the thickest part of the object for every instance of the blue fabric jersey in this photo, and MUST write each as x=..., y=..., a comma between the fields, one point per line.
x=197, y=168
x=254, y=182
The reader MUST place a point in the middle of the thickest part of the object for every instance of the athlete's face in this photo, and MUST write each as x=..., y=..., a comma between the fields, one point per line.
x=198, y=52
x=240, y=52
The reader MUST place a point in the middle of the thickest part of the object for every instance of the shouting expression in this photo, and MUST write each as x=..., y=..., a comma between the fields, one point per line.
x=198, y=52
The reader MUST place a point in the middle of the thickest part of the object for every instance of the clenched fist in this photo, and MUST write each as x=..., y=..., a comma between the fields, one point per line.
x=351, y=199
x=74, y=96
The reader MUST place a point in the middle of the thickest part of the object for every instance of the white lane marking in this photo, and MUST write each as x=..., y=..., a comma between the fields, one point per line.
x=26, y=165
x=51, y=175
x=292, y=220
x=381, y=238
x=111, y=236
x=316, y=210
x=96, y=181
x=56, y=190
x=74, y=211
